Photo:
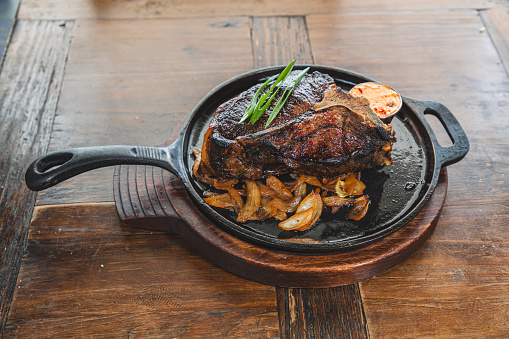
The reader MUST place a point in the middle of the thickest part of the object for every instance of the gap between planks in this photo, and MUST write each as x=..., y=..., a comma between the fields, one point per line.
x=496, y=21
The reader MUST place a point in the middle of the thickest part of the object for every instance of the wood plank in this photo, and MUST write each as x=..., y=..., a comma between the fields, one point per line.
x=497, y=23
x=452, y=288
x=27, y=109
x=456, y=285
x=86, y=274
x=132, y=82
x=431, y=41
x=111, y=9
x=280, y=39
x=299, y=310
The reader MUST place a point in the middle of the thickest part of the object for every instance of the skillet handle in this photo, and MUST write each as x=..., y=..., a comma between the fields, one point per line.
x=445, y=155
x=56, y=167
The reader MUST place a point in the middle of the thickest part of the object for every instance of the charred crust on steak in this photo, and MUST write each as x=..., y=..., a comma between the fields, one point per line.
x=304, y=97
x=382, y=133
x=320, y=131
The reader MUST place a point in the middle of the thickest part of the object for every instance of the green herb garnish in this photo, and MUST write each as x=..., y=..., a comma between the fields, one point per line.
x=254, y=102
x=259, y=104
x=285, y=96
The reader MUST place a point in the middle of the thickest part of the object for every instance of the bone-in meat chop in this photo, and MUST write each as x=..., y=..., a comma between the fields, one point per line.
x=321, y=131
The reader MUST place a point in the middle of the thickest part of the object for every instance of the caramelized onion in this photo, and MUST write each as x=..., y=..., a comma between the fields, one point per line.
x=312, y=205
x=353, y=185
x=198, y=168
x=314, y=181
x=280, y=215
x=279, y=188
x=204, y=151
x=277, y=199
x=227, y=185
x=197, y=162
x=350, y=186
x=337, y=201
x=265, y=191
x=297, y=220
x=317, y=212
x=221, y=200
x=359, y=209
x=292, y=185
x=252, y=202
x=300, y=190
x=289, y=206
x=224, y=184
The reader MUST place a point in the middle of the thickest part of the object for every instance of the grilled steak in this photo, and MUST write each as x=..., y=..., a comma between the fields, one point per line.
x=320, y=131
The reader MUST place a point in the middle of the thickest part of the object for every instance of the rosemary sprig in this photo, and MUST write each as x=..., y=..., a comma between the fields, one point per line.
x=259, y=104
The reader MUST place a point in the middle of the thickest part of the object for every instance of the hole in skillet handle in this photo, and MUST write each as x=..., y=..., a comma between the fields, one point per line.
x=45, y=171
x=460, y=146
x=52, y=162
x=444, y=139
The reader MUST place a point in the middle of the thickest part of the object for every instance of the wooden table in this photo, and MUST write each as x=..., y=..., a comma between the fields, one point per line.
x=85, y=73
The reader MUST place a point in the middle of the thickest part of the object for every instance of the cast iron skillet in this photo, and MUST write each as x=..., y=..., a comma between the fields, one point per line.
x=397, y=192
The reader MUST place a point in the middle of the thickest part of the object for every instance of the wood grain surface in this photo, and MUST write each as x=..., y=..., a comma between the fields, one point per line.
x=27, y=110
x=299, y=309
x=96, y=277
x=278, y=40
x=134, y=69
x=497, y=23
x=111, y=9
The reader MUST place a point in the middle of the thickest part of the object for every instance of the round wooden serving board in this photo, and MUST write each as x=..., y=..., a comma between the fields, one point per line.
x=153, y=198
